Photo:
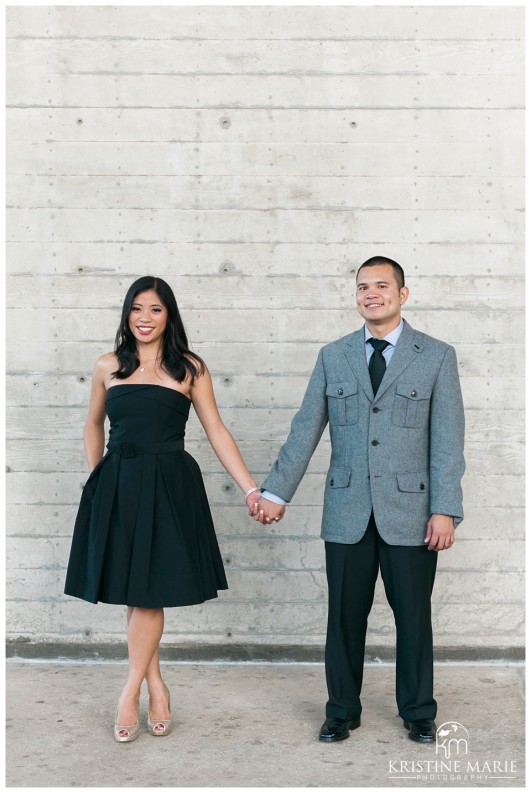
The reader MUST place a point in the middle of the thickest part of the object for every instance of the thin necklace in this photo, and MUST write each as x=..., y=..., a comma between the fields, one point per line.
x=143, y=368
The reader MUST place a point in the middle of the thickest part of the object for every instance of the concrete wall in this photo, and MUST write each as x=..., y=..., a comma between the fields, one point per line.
x=254, y=157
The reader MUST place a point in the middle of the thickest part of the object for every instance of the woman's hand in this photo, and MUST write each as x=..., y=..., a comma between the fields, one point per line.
x=252, y=502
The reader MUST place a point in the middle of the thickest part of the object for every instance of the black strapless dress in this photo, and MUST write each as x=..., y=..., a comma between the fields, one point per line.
x=144, y=534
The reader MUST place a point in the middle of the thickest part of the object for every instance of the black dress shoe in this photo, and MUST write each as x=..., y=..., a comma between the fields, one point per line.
x=421, y=730
x=338, y=729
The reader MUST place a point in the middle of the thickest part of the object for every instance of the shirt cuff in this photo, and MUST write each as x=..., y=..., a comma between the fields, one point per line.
x=271, y=497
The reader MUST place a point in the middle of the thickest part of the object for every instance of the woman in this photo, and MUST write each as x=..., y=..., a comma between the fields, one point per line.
x=144, y=535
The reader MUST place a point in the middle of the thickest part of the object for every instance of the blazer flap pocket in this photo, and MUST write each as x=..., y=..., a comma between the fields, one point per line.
x=413, y=483
x=342, y=389
x=413, y=391
x=338, y=477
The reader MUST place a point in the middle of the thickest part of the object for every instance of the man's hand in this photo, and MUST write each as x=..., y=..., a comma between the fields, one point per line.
x=441, y=533
x=266, y=511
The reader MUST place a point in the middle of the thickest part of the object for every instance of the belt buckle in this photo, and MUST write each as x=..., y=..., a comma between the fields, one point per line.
x=127, y=450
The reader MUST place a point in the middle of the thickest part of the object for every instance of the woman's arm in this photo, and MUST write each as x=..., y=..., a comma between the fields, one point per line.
x=224, y=445
x=94, y=433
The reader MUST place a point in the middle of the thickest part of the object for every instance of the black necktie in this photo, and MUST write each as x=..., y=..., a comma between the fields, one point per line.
x=377, y=363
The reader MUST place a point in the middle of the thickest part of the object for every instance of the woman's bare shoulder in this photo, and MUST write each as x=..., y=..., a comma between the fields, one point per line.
x=105, y=365
x=199, y=366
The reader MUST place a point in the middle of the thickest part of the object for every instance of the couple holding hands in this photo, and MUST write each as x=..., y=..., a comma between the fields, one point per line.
x=144, y=536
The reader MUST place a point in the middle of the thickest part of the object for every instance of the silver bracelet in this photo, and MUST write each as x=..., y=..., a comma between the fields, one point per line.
x=251, y=490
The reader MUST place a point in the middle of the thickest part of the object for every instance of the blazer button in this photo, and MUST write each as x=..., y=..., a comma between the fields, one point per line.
x=413, y=393
x=422, y=486
x=375, y=443
x=331, y=483
x=340, y=391
x=376, y=410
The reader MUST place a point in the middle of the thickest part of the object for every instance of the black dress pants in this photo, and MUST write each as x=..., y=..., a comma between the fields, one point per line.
x=408, y=574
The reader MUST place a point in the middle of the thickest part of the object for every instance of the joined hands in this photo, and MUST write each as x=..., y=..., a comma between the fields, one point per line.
x=264, y=511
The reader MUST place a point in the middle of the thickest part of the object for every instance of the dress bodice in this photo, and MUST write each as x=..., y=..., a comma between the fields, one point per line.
x=144, y=413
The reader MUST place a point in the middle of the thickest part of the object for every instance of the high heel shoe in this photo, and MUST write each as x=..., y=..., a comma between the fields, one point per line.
x=131, y=731
x=164, y=725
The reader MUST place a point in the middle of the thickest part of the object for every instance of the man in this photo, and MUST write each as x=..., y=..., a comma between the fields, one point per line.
x=393, y=491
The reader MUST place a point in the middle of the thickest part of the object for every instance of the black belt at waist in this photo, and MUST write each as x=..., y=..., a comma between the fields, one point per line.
x=132, y=449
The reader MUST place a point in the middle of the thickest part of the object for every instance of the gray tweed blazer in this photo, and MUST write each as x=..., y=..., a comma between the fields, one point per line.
x=399, y=454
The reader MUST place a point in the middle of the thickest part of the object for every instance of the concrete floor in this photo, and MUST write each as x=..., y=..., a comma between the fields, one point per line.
x=256, y=725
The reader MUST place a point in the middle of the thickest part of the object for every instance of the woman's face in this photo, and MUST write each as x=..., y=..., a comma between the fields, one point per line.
x=148, y=317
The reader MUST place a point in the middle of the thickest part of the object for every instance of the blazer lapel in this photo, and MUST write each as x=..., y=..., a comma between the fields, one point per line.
x=408, y=346
x=357, y=359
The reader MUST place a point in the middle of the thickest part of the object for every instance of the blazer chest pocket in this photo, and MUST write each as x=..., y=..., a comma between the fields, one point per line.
x=343, y=405
x=411, y=406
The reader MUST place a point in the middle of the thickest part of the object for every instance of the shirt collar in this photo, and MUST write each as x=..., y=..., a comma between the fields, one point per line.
x=391, y=337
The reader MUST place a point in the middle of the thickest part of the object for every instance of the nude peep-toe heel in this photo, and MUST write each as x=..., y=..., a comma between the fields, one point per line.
x=164, y=725
x=131, y=732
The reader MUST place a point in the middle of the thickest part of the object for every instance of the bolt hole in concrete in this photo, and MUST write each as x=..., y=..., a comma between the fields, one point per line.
x=226, y=267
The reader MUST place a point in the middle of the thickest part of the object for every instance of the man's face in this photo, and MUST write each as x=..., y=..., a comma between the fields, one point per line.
x=378, y=298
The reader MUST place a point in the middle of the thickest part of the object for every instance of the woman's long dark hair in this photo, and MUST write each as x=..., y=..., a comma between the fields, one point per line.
x=175, y=351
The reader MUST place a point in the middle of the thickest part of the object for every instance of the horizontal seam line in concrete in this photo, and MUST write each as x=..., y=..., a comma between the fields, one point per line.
x=321, y=602
x=229, y=106
x=268, y=244
x=167, y=241
x=265, y=39
x=265, y=210
x=62, y=109
x=492, y=180
x=294, y=570
x=287, y=73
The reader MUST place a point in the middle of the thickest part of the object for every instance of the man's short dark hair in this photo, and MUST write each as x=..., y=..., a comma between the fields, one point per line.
x=397, y=269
